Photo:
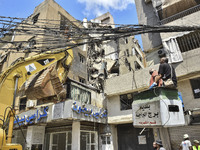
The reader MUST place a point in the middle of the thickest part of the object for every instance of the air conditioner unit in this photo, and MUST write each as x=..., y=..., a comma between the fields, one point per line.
x=147, y=1
x=31, y=103
x=161, y=53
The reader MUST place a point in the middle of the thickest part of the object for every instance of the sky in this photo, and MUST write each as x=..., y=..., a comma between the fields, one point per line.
x=123, y=11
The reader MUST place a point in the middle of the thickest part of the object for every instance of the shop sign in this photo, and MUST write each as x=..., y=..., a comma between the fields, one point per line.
x=146, y=114
x=102, y=113
x=33, y=118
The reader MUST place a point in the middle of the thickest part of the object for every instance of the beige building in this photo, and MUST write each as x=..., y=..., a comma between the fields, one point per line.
x=80, y=122
x=182, y=49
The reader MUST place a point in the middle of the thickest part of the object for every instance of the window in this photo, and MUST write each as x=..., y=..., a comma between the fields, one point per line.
x=105, y=139
x=22, y=104
x=89, y=140
x=82, y=80
x=189, y=41
x=133, y=51
x=195, y=84
x=35, y=18
x=105, y=20
x=58, y=141
x=126, y=40
x=80, y=94
x=63, y=22
x=81, y=58
x=126, y=101
x=127, y=52
x=137, y=65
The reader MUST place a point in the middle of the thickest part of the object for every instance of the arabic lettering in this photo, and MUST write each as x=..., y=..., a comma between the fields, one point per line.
x=89, y=112
x=34, y=118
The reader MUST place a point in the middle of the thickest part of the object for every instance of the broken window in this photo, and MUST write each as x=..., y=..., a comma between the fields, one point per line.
x=35, y=18
x=126, y=101
x=81, y=58
x=79, y=94
x=106, y=20
x=127, y=52
x=82, y=80
x=126, y=40
x=89, y=140
x=137, y=65
x=195, y=84
x=22, y=104
x=63, y=22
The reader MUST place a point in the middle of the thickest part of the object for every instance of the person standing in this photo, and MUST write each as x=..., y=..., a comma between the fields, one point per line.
x=159, y=145
x=185, y=144
x=154, y=146
x=196, y=145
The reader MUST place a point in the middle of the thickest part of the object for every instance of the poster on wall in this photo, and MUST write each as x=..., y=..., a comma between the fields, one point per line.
x=142, y=139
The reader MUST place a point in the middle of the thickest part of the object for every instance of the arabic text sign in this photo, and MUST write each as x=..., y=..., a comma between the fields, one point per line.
x=146, y=114
x=33, y=118
x=89, y=112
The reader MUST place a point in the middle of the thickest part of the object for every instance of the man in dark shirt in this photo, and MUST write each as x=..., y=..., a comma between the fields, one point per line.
x=165, y=72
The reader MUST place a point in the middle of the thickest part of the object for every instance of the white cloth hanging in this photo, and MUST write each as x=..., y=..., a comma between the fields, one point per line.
x=173, y=51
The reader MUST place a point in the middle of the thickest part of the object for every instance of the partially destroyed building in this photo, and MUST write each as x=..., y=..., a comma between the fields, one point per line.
x=80, y=120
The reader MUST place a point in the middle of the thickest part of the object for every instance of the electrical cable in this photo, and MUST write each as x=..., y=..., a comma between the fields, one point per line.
x=154, y=90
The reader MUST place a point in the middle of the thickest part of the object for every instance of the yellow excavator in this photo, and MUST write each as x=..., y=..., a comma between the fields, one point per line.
x=15, y=77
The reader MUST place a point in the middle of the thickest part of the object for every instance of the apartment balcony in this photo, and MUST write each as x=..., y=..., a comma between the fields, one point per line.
x=177, y=15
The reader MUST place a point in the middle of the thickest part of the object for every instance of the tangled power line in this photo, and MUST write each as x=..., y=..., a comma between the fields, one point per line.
x=43, y=34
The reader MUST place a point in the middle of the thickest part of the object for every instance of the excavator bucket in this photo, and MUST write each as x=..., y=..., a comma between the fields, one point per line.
x=44, y=84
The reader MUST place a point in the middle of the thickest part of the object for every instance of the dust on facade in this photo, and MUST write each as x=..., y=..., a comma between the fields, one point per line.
x=103, y=79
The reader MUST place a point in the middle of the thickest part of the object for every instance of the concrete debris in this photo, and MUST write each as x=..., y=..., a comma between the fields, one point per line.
x=45, y=84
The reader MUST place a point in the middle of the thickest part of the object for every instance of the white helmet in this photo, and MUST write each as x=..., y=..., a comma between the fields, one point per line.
x=185, y=136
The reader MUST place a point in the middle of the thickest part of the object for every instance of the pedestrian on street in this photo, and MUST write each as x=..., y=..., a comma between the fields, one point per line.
x=196, y=145
x=185, y=144
x=159, y=145
x=154, y=146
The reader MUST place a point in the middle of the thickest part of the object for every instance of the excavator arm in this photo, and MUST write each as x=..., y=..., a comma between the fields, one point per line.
x=15, y=76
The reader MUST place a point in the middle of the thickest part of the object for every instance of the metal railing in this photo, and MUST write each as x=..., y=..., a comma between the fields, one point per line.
x=180, y=14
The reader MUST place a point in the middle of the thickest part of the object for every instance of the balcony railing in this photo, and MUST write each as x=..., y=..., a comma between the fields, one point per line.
x=180, y=14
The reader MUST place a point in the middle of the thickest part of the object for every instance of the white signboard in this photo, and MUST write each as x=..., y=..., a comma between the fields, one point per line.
x=142, y=139
x=159, y=113
x=146, y=114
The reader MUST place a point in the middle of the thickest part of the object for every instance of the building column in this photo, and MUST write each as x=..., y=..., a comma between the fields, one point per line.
x=114, y=137
x=164, y=134
x=76, y=135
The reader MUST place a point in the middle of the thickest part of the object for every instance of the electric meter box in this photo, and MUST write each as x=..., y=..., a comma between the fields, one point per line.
x=158, y=107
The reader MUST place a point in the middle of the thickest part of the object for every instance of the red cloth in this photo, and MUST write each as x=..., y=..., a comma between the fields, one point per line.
x=152, y=80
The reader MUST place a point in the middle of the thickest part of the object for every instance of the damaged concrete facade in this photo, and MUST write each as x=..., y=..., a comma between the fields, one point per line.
x=78, y=122
x=40, y=115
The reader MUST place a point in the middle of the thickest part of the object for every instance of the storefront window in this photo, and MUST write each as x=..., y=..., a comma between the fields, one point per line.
x=58, y=141
x=89, y=140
